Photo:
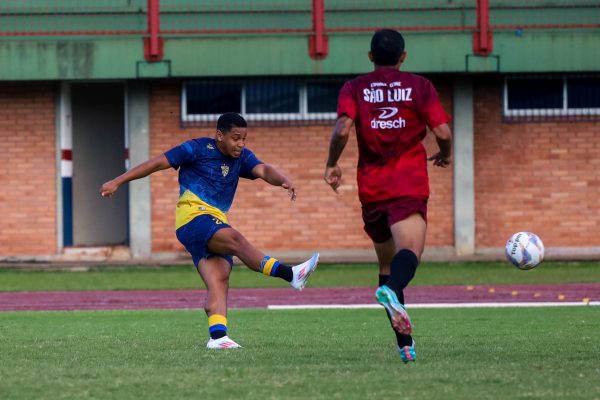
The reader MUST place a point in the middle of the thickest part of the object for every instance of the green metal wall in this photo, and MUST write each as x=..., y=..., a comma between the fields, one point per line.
x=70, y=56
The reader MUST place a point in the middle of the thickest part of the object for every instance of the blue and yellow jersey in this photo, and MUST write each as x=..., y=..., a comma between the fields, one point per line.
x=208, y=178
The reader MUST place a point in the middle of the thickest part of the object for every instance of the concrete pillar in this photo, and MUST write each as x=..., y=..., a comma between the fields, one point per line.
x=138, y=130
x=464, y=175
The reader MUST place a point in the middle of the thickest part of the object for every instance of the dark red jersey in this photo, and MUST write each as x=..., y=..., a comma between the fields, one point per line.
x=391, y=110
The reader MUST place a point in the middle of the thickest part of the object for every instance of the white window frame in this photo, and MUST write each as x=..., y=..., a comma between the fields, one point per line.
x=544, y=112
x=302, y=115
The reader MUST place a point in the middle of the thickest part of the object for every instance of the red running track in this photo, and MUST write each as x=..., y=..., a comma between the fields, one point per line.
x=261, y=298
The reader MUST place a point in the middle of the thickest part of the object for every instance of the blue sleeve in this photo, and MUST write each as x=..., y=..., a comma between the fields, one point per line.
x=179, y=155
x=249, y=161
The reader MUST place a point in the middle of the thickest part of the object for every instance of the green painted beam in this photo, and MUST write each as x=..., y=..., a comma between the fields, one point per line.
x=543, y=51
x=438, y=35
x=289, y=56
x=112, y=58
x=69, y=59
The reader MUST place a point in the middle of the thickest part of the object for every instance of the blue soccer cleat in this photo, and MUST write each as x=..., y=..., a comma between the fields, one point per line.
x=408, y=353
x=400, y=319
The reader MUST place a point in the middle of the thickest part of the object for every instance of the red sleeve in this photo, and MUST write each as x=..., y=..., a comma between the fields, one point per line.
x=347, y=102
x=431, y=109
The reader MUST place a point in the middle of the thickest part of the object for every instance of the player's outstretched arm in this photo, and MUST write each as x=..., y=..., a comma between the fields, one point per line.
x=443, y=136
x=139, y=171
x=339, y=138
x=271, y=175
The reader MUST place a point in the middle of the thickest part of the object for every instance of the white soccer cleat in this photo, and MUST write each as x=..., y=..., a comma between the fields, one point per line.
x=222, y=343
x=303, y=271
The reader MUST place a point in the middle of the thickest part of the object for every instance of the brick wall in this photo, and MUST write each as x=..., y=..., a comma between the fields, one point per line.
x=440, y=229
x=528, y=176
x=27, y=170
x=319, y=219
x=541, y=177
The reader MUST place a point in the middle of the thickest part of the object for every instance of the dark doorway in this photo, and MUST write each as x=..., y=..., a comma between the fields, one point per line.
x=98, y=123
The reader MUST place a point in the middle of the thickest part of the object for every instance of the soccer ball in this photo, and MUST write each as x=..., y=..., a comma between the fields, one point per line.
x=525, y=250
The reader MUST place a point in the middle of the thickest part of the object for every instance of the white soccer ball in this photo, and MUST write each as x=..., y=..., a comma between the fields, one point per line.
x=525, y=250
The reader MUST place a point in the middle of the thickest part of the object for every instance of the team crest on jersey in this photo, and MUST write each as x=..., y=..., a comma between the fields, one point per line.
x=210, y=146
x=224, y=169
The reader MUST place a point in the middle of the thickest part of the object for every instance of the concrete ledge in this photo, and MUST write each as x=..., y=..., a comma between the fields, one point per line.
x=85, y=258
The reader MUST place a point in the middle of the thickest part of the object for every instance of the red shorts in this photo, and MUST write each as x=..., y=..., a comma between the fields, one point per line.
x=379, y=216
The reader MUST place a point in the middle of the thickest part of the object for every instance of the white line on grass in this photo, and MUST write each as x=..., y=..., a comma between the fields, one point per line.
x=439, y=305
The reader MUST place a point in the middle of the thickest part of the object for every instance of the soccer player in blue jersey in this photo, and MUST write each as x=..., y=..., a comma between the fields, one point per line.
x=209, y=170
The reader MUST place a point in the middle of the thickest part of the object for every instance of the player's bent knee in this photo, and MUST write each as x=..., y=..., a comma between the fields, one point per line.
x=416, y=250
x=237, y=243
x=227, y=239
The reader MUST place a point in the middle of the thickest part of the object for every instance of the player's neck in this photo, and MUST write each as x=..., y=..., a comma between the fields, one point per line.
x=386, y=67
x=221, y=147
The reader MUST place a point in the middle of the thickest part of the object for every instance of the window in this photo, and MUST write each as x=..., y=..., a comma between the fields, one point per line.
x=583, y=93
x=534, y=94
x=272, y=97
x=266, y=100
x=322, y=96
x=213, y=98
x=551, y=96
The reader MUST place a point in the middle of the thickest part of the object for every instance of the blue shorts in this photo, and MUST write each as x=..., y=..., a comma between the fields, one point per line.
x=195, y=236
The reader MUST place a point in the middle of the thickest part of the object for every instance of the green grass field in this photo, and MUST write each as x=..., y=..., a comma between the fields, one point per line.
x=508, y=353
x=541, y=353
x=327, y=275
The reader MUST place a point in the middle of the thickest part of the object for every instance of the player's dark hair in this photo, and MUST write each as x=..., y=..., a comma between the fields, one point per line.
x=387, y=46
x=230, y=120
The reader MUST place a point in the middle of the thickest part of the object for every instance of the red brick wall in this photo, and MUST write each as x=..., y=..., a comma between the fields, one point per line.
x=541, y=177
x=165, y=132
x=528, y=176
x=440, y=229
x=319, y=219
x=27, y=170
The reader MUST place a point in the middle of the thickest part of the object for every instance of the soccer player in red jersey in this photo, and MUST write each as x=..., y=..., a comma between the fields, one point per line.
x=391, y=111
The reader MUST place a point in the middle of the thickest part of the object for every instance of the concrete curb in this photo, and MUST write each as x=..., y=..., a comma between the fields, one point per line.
x=87, y=258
